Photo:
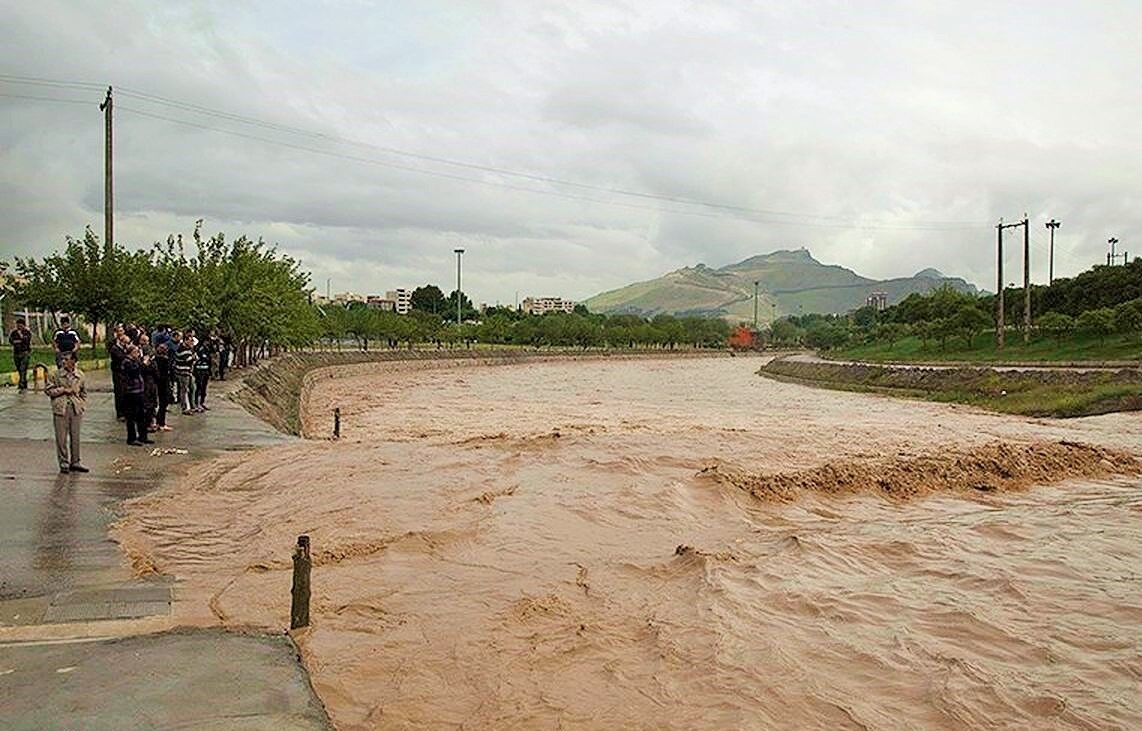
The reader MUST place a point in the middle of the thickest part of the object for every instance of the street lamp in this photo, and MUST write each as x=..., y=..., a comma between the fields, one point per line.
x=459, y=293
x=755, y=306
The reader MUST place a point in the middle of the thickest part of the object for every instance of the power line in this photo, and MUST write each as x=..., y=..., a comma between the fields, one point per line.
x=742, y=212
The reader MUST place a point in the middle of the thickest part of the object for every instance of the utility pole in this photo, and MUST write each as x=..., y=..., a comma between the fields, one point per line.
x=999, y=309
x=328, y=282
x=1051, y=226
x=108, y=200
x=459, y=292
x=755, y=306
x=1112, y=255
x=999, y=278
x=1026, y=280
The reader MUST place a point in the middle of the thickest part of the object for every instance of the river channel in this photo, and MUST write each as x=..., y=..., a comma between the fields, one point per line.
x=565, y=545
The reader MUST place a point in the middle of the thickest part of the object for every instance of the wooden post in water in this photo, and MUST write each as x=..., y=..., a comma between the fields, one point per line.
x=299, y=606
x=337, y=423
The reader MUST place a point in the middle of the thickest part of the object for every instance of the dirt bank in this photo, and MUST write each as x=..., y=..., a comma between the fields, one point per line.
x=1059, y=393
x=277, y=391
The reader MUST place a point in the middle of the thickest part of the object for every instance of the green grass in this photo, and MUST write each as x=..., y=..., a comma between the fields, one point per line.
x=46, y=355
x=1027, y=393
x=1071, y=350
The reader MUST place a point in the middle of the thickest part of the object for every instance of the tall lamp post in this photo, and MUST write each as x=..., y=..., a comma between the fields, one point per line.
x=755, y=306
x=1051, y=226
x=459, y=292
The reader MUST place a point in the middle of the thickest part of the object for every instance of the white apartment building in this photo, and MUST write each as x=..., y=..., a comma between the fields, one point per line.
x=402, y=299
x=540, y=305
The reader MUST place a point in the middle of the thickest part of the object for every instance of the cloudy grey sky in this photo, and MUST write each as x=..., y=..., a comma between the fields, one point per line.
x=896, y=133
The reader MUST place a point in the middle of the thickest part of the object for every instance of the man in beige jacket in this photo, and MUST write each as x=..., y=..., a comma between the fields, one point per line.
x=69, y=400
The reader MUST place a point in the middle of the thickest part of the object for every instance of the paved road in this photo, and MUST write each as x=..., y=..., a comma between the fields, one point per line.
x=63, y=579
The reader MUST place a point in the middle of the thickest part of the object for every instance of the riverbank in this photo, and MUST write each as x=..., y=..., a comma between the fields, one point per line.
x=1114, y=351
x=1033, y=392
x=71, y=606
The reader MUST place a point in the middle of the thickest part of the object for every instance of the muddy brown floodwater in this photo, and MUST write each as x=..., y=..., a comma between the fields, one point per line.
x=659, y=544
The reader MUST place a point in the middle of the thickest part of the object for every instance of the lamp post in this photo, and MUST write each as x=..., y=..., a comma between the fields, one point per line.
x=755, y=306
x=1051, y=226
x=459, y=293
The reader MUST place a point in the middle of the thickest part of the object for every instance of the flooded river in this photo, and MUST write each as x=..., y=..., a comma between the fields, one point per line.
x=557, y=545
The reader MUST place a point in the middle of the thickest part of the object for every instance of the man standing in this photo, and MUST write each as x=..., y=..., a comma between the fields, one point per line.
x=133, y=387
x=68, y=393
x=21, y=340
x=65, y=340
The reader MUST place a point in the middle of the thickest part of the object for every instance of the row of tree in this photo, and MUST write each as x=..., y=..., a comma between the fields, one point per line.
x=1100, y=302
x=368, y=327
x=261, y=298
x=242, y=288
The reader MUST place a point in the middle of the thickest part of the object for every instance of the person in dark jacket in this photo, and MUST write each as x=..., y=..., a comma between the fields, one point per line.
x=21, y=340
x=201, y=375
x=117, y=353
x=164, y=374
x=133, y=388
x=150, y=384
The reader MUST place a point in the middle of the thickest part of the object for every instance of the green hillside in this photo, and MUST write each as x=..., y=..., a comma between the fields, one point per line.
x=792, y=280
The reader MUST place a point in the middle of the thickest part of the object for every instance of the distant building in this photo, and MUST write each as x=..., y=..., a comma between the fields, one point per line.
x=402, y=300
x=346, y=298
x=377, y=302
x=541, y=305
x=877, y=300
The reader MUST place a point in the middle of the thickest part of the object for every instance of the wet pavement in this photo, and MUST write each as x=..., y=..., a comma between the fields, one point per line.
x=63, y=579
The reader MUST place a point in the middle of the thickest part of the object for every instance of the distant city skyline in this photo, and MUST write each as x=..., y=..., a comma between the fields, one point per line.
x=566, y=148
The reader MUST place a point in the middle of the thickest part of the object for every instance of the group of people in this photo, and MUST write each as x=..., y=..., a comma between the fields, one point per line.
x=150, y=372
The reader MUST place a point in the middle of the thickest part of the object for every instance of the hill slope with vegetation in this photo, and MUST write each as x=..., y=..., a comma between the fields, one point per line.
x=789, y=282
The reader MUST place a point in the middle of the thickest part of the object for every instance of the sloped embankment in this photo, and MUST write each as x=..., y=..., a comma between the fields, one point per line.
x=1034, y=392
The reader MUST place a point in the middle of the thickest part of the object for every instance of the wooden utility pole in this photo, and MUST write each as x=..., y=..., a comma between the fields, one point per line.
x=755, y=284
x=1026, y=279
x=999, y=291
x=108, y=198
x=1051, y=226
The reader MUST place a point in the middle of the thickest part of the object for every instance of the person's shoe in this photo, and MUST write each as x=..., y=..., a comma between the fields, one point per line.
x=78, y=468
x=146, y=441
x=134, y=443
x=205, y=407
x=63, y=469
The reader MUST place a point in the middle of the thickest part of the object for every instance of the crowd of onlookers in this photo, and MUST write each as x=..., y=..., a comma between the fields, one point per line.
x=154, y=371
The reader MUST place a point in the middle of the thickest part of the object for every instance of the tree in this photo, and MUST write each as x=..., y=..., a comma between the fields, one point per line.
x=467, y=311
x=1098, y=322
x=890, y=332
x=971, y=321
x=785, y=332
x=90, y=278
x=429, y=298
x=1057, y=325
x=1128, y=316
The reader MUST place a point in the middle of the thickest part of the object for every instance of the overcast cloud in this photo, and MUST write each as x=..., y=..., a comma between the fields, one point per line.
x=865, y=119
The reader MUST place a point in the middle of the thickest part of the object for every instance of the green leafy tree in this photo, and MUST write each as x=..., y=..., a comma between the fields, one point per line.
x=970, y=321
x=1128, y=317
x=1098, y=322
x=430, y=299
x=1057, y=325
x=891, y=332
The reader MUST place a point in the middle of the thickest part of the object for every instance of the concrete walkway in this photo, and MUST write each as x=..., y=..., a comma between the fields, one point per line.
x=68, y=599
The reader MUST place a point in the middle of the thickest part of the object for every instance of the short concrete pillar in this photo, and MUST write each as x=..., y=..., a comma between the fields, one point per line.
x=299, y=606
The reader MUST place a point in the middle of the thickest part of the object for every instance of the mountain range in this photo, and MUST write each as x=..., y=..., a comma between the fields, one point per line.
x=789, y=282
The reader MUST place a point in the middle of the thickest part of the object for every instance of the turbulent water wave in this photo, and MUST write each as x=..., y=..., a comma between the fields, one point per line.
x=490, y=574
